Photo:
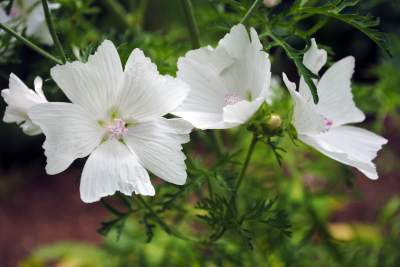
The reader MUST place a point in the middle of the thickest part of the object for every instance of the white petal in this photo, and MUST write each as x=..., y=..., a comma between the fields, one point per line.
x=3, y=16
x=314, y=59
x=20, y=99
x=158, y=146
x=349, y=145
x=201, y=71
x=236, y=41
x=334, y=90
x=145, y=94
x=93, y=85
x=113, y=167
x=241, y=112
x=71, y=133
x=212, y=74
x=305, y=117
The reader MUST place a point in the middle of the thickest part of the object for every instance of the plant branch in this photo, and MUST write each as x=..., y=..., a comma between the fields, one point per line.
x=249, y=12
x=119, y=11
x=163, y=224
x=52, y=29
x=30, y=44
x=239, y=179
x=191, y=23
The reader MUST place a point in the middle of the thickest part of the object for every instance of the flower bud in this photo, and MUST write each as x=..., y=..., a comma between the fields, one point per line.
x=272, y=124
x=271, y=3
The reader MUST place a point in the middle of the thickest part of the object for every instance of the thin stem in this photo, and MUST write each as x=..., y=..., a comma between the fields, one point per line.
x=191, y=23
x=216, y=141
x=30, y=44
x=119, y=11
x=163, y=224
x=249, y=12
x=52, y=29
x=239, y=179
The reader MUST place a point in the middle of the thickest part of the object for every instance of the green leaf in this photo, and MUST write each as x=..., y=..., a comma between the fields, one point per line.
x=365, y=23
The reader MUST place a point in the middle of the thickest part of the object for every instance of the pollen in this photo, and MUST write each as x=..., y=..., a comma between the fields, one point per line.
x=232, y=98
x=328, y=123
x=117, y=128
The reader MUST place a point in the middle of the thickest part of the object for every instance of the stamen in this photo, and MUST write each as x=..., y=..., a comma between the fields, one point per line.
x=117, y=128
x=328, y=123
x=232, y=98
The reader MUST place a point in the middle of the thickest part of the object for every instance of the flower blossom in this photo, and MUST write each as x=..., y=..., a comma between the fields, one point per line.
x=324, y=126
x=228, y=83
x=29, y=15
x=115, y=118
x=20, y=99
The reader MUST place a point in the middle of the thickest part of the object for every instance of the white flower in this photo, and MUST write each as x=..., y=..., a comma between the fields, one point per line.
x=324, y=125
x=29, y=15
x=116, y=118
x=228, y=83
x=20, y=99
x=3, y=15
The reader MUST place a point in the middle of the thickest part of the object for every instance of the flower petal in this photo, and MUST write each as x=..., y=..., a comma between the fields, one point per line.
x=241, y=112
x=305, y=117
x=113, y=167
x=145, y=94
x=243, y=70
x=93, y=85
x=336, y=99
x=314, y=59
x=20, y=99
x=236, y=41
x=158, y=144
x=200, y=69
x=70, y=131
x=349, y=145
x=3, y=16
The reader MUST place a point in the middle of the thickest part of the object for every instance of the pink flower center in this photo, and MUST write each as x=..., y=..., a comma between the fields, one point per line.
x=328, y=123
x=232, y=98
x=117, y=128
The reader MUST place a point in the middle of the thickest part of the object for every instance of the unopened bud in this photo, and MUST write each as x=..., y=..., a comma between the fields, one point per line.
x=274, y=121
x=271, y=3
x=273, y=124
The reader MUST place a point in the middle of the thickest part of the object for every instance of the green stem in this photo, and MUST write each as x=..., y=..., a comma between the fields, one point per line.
x=239, y=179
x=163, y=224
x=191, y=23
x=119, y=11
x=249, y=12
x=30, y=44
x=216, y=141
x=52, y=29
x=301, y=69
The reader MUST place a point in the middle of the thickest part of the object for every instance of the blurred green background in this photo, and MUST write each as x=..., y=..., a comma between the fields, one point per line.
x=337, y=216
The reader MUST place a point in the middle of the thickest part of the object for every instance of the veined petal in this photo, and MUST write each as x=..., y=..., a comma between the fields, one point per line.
x=241, y=112
x=3, y=16
x=110, y=168
x=20, y=99
x=71, y=133
x=236, y=41
x=336, y=99
x=201, y=69
x=349, y=145
x=245, y=75
x=145, y=94
x=158, y=145
x=314, y=59
x=305, y=117
x=93, y=85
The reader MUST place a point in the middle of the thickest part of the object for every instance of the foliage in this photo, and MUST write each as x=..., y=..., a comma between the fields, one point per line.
x=278, y=218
